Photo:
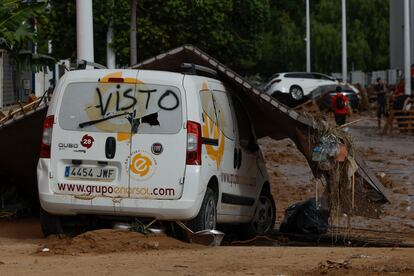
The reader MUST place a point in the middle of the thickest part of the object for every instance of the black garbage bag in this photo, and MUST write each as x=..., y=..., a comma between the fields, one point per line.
x=305, y=218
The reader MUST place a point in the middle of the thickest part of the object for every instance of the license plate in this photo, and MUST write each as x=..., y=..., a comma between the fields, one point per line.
x=91, y=173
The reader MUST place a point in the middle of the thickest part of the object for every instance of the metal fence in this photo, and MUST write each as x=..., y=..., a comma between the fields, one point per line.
x=390, y=76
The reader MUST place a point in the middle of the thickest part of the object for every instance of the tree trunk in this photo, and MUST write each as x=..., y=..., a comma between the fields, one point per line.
x=133, y=33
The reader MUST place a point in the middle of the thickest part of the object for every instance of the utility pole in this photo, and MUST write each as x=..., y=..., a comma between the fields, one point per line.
x=133, y=33
x=84, y=30
x=344, y=53
x=110, y=55
x=308, y=39
x=407, y=47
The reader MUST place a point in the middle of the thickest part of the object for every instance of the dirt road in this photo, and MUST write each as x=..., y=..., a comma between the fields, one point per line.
x=129, y=253
x=113, y=252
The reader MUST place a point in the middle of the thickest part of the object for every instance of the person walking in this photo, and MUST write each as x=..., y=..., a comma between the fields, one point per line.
x=381, y=101
x=340, y=106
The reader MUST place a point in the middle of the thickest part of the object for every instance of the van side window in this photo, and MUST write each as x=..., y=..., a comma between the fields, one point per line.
x=243, y=123
x=216, y=106
x=223, y=112
x=208, y=105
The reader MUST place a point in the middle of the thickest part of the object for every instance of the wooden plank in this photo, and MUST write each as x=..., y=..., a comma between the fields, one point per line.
x=404, y=117
x=388, y=123
x=22, y=110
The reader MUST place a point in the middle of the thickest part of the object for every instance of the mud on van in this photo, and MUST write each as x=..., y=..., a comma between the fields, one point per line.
x=154, y=144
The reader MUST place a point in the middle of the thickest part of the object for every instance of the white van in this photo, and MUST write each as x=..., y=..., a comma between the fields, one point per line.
x=153, y=144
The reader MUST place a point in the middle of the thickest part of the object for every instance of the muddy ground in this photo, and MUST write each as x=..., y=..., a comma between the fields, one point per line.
x=24, y=251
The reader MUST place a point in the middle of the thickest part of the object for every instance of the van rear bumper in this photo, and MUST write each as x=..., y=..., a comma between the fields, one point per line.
x=185, y=208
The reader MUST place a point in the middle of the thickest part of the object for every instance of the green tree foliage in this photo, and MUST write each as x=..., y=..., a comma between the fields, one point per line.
x=231, y=30
x=368, y=36
x=17, y=34
x=255, y=36
x=59, y=26
x=15, y=24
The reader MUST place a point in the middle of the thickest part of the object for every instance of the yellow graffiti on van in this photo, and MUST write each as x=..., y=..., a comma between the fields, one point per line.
x=210, y=128
x=123, y=136
x=113, y=98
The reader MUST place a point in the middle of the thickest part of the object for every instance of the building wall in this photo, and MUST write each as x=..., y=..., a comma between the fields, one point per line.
x=397, y=33
x=9, y=96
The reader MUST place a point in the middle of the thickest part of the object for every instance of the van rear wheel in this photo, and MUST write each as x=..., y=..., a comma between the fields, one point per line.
x=50, y=224
x=264, y=217
x=207, y=216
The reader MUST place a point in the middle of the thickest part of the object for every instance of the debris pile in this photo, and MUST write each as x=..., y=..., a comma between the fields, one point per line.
x=334, y=155
x=107, y=241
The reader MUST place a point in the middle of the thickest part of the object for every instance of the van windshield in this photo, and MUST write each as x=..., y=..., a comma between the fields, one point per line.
x=121, y=107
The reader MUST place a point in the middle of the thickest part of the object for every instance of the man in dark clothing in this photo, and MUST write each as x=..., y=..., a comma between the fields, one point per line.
x=340, y=106
x=380, y=91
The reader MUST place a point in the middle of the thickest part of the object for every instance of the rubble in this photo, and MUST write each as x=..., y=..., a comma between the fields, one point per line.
x=359, y=189
x=362, y=194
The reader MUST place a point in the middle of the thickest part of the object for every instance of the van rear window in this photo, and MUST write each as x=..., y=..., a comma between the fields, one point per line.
x=121, y=107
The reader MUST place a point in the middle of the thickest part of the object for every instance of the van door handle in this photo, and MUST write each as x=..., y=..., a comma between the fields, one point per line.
x=235, y=159
x=110, y=147
x=240, y=159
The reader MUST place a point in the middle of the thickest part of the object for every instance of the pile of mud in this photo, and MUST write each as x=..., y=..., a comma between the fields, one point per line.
x=108, y=241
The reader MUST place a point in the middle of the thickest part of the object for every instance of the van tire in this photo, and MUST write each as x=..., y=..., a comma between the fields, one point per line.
x=207, y=216
x=50, y=224
x=264, y=217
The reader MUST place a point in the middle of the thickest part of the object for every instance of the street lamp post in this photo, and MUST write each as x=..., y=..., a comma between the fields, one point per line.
x=110, y=54
x=344, y=42
x=84, y=30
x=308, y=39
x=407, y=59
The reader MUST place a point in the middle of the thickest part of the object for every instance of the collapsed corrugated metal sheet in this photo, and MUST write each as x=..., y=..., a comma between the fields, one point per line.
x=20, y=139
x=271, y=118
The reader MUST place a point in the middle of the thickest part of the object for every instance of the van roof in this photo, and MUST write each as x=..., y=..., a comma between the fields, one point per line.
x=95, y=74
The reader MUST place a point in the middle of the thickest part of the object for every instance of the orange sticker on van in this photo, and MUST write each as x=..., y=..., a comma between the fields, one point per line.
x=142, y=165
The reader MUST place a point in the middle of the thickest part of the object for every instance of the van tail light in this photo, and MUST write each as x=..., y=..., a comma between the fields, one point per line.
x=275, y=81
x=117, y=80
x=193, y=143
x=47, y=137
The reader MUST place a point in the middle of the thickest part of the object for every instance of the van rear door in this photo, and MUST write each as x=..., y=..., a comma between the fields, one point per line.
x=159, y=140
x=91, y=139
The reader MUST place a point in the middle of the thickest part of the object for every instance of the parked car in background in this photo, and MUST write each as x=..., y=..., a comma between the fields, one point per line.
x=294, y=88
x=348, y=90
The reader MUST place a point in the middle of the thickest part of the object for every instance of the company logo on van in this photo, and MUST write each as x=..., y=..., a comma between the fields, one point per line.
x=142, y=165
x=157, y=148
x=67, y=146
